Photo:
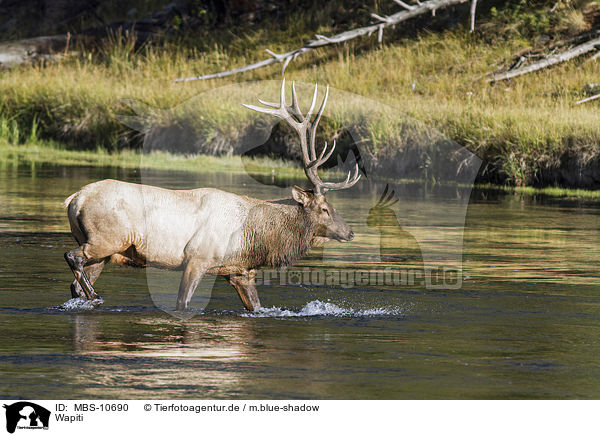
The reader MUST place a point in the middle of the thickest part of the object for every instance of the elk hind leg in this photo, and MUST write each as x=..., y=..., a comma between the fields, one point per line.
x=92, y=271
x=77, y=260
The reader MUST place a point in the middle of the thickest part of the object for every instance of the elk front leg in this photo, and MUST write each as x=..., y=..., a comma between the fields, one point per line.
x=76, y=260
x=192, y=275
x=92, y=272
x=244, y=285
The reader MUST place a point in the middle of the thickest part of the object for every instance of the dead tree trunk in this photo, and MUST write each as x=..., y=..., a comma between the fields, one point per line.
x=410, y=11
x=548, y=61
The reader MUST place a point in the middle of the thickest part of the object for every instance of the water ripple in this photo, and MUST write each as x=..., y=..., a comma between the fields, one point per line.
x=320, y=308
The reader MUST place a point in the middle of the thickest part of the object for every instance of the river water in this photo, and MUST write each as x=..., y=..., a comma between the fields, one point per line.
x=523, y=321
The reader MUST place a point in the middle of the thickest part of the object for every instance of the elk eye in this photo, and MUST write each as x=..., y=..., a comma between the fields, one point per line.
x=325, y=210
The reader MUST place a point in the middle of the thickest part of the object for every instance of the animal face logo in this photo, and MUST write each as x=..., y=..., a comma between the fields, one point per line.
x=407, y=214
x=395, y=243
x=25, y=414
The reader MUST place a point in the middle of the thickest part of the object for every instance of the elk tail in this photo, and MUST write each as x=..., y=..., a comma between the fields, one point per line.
x=67, y=202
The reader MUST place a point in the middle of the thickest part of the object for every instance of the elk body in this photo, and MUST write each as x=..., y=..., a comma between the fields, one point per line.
x=206, y=231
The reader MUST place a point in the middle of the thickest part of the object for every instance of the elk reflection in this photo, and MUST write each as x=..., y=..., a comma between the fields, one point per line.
x=85, y=333
x=206, y=357
x=159, y=356
x=199, y=338
x=395, y=244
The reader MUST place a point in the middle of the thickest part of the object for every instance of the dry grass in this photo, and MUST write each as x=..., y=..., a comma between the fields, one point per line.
x=575, y=22
x=521, y=129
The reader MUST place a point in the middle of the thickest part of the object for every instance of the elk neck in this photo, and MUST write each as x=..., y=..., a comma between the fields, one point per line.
x=276, y=234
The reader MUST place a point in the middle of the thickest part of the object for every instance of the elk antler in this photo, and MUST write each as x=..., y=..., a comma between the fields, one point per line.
x=307, y=130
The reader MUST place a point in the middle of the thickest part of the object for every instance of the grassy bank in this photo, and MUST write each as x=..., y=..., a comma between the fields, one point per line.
x=550, y=191
x=45, y=152
x=527, y=131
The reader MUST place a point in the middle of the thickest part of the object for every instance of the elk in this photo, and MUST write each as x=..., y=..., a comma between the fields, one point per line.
x=205, y=230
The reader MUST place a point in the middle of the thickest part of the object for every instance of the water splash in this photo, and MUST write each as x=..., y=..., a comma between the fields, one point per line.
x=321, y=308
x=78, y=304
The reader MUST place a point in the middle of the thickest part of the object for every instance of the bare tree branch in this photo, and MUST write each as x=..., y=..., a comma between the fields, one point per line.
x=404, y=5
x=593, y=97
x=320, y=41
x=548, y=61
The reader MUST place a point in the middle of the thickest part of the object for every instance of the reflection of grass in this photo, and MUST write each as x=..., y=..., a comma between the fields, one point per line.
x=551, y=191
x=53, y=154
x=48, y=152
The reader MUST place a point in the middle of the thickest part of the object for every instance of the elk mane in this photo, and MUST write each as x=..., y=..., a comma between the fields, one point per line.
x=276, y=236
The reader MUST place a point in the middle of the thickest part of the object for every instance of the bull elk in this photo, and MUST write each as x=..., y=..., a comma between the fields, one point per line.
x=207, y=231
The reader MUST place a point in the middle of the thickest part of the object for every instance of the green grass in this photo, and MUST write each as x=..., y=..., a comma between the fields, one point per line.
x=524, y=130
x=550, y=191
x=45, y=152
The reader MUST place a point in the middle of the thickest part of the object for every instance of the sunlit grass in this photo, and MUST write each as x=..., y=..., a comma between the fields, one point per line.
x=46, y=152
x=521, y=128
x=551, y=191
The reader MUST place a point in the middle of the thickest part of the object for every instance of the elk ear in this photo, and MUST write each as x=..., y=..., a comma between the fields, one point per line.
x=301, y=196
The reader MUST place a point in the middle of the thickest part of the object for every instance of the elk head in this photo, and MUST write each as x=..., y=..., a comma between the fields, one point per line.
x=328, y=223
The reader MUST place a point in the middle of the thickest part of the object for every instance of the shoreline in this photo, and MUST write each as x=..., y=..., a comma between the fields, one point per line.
x=52, y=154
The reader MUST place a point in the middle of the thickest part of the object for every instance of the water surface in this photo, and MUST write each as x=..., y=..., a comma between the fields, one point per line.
x=524, y=324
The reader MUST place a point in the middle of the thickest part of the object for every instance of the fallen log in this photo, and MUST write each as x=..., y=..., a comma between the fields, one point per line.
x=56, y=47
x=548, y=61
x=23, y=51
x=593, y=97
x=410, y=11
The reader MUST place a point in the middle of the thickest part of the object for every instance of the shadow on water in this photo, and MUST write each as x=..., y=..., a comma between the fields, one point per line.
x=524, y=324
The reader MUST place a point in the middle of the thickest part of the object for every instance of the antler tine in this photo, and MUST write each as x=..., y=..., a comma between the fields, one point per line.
x=282, y=96
x=263, y=110
x=282, y=111
x=312, y=104
x=322, y=159
x=356, y=177
x=317, y=162
x=294, y=96
x=268, y=103
x=349, y=182
x=347, y=178
x=278, y=106
x=295, y=108
x=315, y=123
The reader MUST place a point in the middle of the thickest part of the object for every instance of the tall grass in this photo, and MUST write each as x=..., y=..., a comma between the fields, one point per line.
x=524, y=129
x=12, y=133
